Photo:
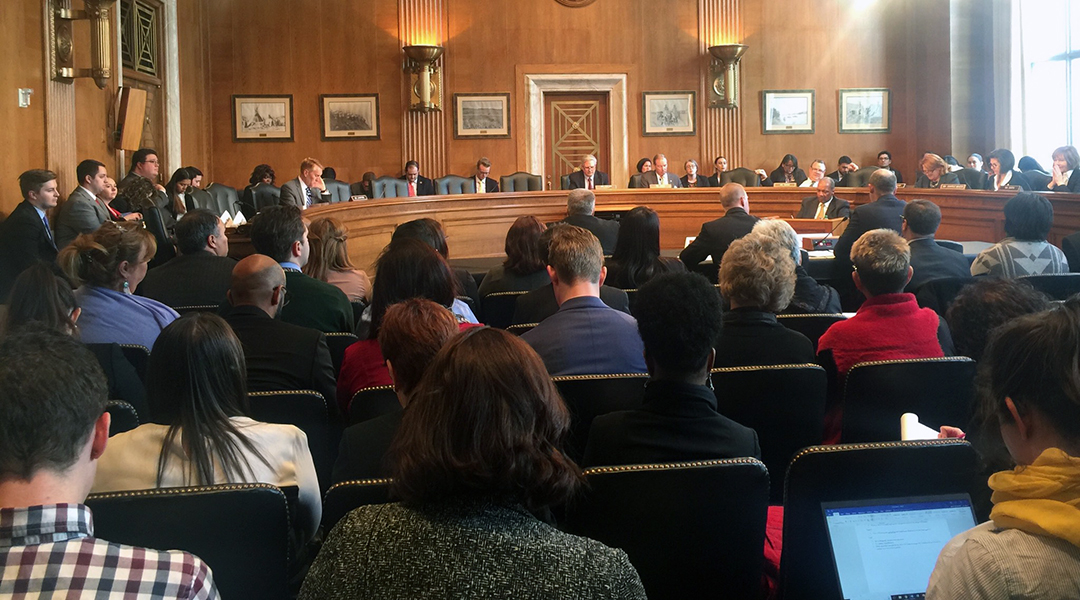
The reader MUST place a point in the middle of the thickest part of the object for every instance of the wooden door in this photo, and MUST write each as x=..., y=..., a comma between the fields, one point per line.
x=575, y=124
x=141, y=43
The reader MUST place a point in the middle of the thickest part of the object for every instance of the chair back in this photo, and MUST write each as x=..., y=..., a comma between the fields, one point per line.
x=389, y=187
x=742, y=176
x=564, y=182
x=202, y=199
x=308, y=411
x=975, y=179
x=1070, y=245
x=520, y=328
x=339, y=190
x=453, y=184
x=266, y=195
x=938, y=294
x=857, y=178
x=225, y=198
x=123, y=416
x=876, y=394
x=589, y=396
x=498, y=308
x=858, y=472
x=521, y=182
x=635, y=181
x=345, y=496
x=1059, y=286
x=951, y=245
x=337, y=342
x=812, y=325
x=155, y=224
x=241, y=531
x=138, y=356
x=183, y=310
x=692, y=530
x=785, y=404
x=1038, y=180
x=371, y=402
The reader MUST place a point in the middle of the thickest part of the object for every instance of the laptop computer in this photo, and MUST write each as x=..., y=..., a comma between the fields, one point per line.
x=886, y=548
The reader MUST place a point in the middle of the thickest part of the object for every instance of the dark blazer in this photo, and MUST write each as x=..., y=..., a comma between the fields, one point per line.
x=1073, y=186
x=714, y=180
x=281, y=356
x=677, y=422
x=777, y=176
x=540, y=303
x=424, y=186
x=124, y=381
x=293, y=193
x=80, y=213
x=812, y=297
x=887, y=212
x=755, y=337
x=618, y=275
x=316, y=304
x=899, y=177
x=605, y=230
x=189, y=280
x=947, y=178
x=702, y=181
x=577, y=179
x=931, y=261
x=587, y=337
x=490, y=185
x=24, y=240
x=1017, y=179
x=838, y=208
x=362, y=454
x=835, y=175
x=716, y=236
x=649, y=178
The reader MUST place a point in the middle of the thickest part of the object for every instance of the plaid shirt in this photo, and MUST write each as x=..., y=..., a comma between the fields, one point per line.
x=49, y=552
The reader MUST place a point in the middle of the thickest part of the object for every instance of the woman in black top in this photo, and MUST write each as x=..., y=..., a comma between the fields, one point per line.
x=787, y=172
x=637, y=252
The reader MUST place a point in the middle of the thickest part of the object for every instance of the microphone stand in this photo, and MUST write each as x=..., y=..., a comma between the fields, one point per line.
x=835, y=227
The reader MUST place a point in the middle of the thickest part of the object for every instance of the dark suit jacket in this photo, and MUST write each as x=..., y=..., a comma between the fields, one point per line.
x=316, y=304
x=716, y=236
x=677, y=422
x=23, y=241
x=899, y=177
x=930, y=261
x=424, y=186
x=887, y=212
x=362, y=454
x=490, y=185
x=577, y=179
x=714, y=180
x=1073, y=186
x=293, y=193
x=777, y=176
x=754, y=337
x=605, y=230
x=587, y=337
x=540, y=303
x=838, y=208
x=80, y=213
x=835, y=175
x=649, y=178
x=280, y=356
x=200, y=278
x=1017, y=179
x=946, y=178
x=702, y=181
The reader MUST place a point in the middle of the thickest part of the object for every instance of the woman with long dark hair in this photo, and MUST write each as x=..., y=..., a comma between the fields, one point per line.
x=637, y=252
x=523, y=270
x=179, y=200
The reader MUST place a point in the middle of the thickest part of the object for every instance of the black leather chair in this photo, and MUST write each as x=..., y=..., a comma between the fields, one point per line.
x=225, y=198
x=939, y=390
x=498, y=308
x=1039, y=180
x=521, y=182
x=337, y=342
x=785, y=404
x=389, y=187
x=155, y=224
x=453, y=184
x=938, y=294
x=564, y=182
x=200, y=198
x=345, y=496
x=858, y=178
x=975, y=179
x=692, y=530
x=1070, y=245
x=588, y=396
x=812, y=325
x=123, y=416
x=339, y=190
x=859, y=472
x=308, y=411
x=265, y=195
x=635, y=181
x=242, y=531
x=369, y=403
x=183, y=310
x=520, y=328
x=138, y=356
x=1059, y=286
x=742, y=176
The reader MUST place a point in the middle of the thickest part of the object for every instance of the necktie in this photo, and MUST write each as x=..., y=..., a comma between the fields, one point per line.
x=820, y=211
x=480, y=186
x=310, y=197
x=412, y=189
x=589, y=186
x=110, y=210
x=48, y=232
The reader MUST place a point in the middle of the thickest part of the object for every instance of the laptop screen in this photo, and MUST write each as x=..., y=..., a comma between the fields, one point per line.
x=885, y=549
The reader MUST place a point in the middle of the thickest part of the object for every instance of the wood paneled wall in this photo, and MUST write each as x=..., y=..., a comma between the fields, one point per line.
x=22, y=135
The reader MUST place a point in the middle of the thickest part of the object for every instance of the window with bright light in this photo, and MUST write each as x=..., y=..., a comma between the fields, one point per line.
x=1050, y=75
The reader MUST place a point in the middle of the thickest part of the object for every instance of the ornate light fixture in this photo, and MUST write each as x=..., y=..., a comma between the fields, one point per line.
x=425, y=79
x=61, y=41
x=724, y=91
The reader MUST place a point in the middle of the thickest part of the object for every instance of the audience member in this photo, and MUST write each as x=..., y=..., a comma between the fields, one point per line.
x=418, y=185
x=788, y=172
x=679, y=319
x=716, y=236
x=83, y=212
x=580, y=206
x=52, y=413
x=484, y=184
x=1029, y=398
x=431, y=233
x=975, y=161
x=929, y=260
x=1024, y=251
x=935, y=172
x=108, y=265
x=719, y=165
x=412, y=333
x=637, y=253
x=816, y=174
x=659, y=175
x=201, y=274
x=279, y=356
x=982, y=306
x=757, y=278
x=824, y=205
x=585, y=337
x=843, y=166
x=139, y=197
x=308, y=188
x=884, y=161
x=25, y=237
x=884, y=211
x=195, y=385
x=588, y=177
x=1066, y=171
x=523, y=270
x=810, y=296
x=179, y=200
x=692, y=179
x=329, y=261
x=477, y=453
x=1001, y=162
x=145, y=166
x=281, y=233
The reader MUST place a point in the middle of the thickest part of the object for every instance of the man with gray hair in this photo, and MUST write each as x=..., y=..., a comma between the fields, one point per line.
x=659, y=176
x=716, y=236
x=588, y=177
x=580, y=206
x=884, y=211
x=824, y=205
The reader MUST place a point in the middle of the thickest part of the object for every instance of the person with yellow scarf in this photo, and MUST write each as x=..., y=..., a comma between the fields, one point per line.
x=1029, y=388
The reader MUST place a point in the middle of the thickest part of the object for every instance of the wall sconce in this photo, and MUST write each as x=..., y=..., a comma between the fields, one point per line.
x=61, y=41
x=425, y=79
x=724, y=91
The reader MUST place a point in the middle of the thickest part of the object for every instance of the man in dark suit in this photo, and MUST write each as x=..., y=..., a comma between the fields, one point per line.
x=588, y=177
x=585, y=336
x=144, y=165
x=280, y=233
x=929, y=260
x=716, y=236
x=25, y=237
x=83, y=212
x=844, y=166
x=201, y=275
x=720, y=164
x=279, y=356
x=824, y=205
x=308, y=188
x=580, y=206
x=484, y=184
x=884, y=211
x=417, y=183
x=659, y=176
x=678, y=420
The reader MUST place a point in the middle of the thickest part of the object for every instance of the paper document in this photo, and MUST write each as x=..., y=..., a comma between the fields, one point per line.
x=912, y=429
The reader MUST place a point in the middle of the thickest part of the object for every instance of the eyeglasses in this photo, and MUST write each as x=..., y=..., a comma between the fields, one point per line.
x=284, y=296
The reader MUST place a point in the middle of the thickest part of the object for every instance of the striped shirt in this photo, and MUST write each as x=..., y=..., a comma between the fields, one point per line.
x=50, y=552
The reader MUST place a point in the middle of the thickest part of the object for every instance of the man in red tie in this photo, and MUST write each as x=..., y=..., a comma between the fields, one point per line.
x=588, y=177
x=418, y=184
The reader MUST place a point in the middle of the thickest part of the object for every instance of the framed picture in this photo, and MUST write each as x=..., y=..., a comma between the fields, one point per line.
x=787, y=111
x=262, y=118
x=350, y=116
x=668, y=113
x=865, y=110
x=481, y=115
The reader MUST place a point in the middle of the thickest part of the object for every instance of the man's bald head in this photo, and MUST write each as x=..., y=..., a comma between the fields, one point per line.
x=254, y=281
x=732, y=195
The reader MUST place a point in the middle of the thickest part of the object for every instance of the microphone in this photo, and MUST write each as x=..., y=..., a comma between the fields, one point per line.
x=835, y=227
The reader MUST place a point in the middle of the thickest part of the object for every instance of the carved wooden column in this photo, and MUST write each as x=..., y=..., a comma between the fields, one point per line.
x=719, y=22
x=423, y=135
x=59, y=98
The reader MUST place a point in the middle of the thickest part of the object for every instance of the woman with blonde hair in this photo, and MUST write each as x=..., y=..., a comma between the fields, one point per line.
x=329, y=259
x=935, y=172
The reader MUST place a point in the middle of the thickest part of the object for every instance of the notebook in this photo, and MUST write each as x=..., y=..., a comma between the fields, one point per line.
x=886, y=548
